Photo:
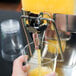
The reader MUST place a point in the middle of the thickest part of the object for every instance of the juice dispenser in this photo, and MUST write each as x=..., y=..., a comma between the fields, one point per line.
x=37, y=15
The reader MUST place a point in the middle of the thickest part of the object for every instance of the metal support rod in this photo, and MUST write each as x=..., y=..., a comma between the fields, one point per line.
x=58, y=37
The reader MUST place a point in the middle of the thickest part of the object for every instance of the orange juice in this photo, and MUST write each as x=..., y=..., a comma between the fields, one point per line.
x=55, y=42
x=51, y=6
x=43, y=71
x=39, y=56
x=39, y=60
x=40, y=70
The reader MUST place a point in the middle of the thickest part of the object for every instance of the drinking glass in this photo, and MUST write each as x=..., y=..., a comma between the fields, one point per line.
x=50, y=36
x=11, y=39
x=42, y=61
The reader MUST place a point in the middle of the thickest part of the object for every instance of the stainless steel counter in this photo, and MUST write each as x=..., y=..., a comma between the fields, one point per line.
x=67, y=68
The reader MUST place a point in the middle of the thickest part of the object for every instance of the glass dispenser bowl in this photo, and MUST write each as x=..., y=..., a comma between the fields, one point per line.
x=50, y=6
x=66, y=8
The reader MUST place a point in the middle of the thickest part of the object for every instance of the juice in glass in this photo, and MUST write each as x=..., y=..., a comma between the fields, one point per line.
x=43, y=71
x=55, y=42
x=40, y=70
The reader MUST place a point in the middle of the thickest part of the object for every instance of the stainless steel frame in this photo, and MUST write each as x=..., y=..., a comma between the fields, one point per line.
x=66, y=68
x=66, y=23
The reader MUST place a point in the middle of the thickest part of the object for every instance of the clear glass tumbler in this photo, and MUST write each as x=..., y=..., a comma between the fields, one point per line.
x=51, y=36
x=11, y=39
x=42, y=61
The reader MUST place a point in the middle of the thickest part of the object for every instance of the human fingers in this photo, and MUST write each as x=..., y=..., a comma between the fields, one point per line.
x=26, y=68
x=19, y=61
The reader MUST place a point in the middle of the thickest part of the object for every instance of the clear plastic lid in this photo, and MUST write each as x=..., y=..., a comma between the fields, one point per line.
x=10, y=26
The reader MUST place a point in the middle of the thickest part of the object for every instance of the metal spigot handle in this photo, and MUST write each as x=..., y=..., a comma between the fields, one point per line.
x=23, y=26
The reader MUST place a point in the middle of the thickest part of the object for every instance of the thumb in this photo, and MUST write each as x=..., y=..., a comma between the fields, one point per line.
x=19, y=61
x=26, y=68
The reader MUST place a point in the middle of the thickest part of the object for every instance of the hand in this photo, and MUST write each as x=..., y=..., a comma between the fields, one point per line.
x=18, y=68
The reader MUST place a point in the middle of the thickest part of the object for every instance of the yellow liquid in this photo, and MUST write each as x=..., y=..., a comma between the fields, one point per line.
x=51, y=6
x=40, y=71
x=39, y=62
x=43, y=71
x=55, y=42
x=39, y=56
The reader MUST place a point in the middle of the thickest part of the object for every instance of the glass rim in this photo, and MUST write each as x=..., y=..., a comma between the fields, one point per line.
x=49, y=61
x=41, y=43
x=23, y=50
x=62, y=39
